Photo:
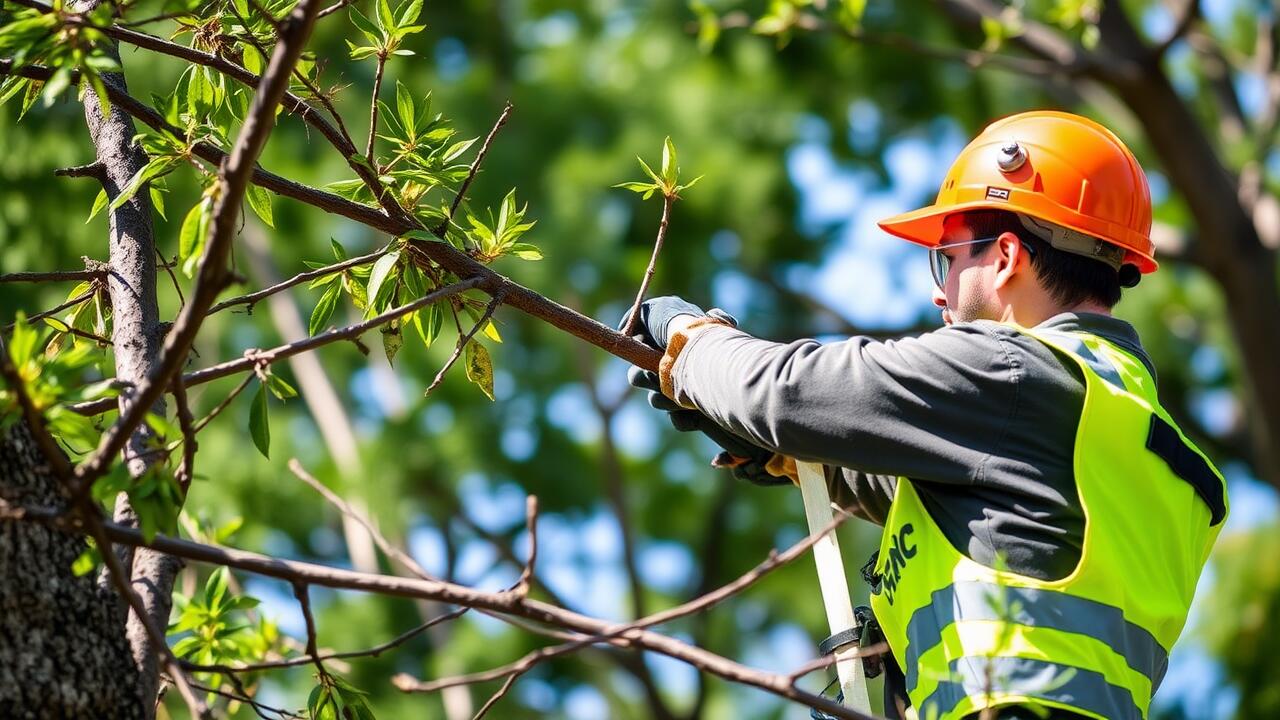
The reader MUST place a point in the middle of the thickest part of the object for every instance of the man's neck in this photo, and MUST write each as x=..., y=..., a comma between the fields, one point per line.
x=1033, y=316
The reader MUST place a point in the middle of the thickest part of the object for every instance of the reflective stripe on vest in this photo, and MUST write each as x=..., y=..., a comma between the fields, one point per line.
x=1022, y=677
x=1034, y=608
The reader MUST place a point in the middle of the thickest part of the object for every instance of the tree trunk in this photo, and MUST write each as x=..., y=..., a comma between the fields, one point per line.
x=63, y=652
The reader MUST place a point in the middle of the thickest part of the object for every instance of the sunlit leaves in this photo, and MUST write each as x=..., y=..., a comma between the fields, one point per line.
x=260, y=200
x=377, y=289
x=667, y=182
x=499, y=236
x=214, y=627
x=387, y=30
x=52, y=373
x=36, y=36
x=191, y=237
x=325, y=307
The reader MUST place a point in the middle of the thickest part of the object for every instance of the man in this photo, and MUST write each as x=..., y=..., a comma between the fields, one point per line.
x=1045, y=520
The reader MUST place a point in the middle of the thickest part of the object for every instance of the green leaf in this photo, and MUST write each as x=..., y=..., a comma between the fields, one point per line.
x=157, y=199
x=382, y=269
x=638, y=187
x=649, y=171
x=191, y=237
x=404, y=105
x=670, y=168
x=99, y=203
x=157, y=167
x=457, y=149
x=215, y=587
x=366, y=26
x=525, y=251
x=339, y=252
x=280, y=387
x=479, y=367
x=409, y=12
x=851, y=12
x=259, y=425
x=708, y=26
x=385, y=18
x=392, y=341
x=428, y=321
x=260, y=200
x=88, y=560
x=324, y=309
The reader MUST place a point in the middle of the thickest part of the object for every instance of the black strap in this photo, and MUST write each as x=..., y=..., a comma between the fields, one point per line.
x=839, y=640
x=1163, y=440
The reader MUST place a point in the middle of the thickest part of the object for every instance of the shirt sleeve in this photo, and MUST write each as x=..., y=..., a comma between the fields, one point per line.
x=933, y=408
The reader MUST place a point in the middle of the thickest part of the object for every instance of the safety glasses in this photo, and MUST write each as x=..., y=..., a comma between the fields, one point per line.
x=940, y=264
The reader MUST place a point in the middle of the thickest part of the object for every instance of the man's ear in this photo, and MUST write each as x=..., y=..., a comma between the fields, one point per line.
x=1011, y=257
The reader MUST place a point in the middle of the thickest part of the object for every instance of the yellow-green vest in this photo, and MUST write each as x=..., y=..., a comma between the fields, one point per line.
x=1096, y=642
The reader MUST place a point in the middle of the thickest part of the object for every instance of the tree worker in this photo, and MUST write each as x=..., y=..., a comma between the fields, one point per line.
x=1045, y=519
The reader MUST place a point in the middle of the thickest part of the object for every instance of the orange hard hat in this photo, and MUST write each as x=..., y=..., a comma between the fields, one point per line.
x=1062, y=169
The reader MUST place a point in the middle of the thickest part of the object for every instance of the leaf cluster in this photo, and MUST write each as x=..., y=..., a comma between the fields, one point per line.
x=666, y=182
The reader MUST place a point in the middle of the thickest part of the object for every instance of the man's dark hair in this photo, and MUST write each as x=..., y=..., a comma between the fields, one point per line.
x=1070, y=278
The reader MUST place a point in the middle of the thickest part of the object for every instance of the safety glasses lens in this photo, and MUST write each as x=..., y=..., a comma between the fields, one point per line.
x=939, y=264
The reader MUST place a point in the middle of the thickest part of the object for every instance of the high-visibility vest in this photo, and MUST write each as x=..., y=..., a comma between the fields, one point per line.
x=1096, y=642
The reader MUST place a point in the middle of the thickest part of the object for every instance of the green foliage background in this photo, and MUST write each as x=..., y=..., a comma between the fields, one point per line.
x=595, y=83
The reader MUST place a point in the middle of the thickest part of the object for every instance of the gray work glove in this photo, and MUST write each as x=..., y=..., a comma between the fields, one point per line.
x=657, y=313
x=746, y=459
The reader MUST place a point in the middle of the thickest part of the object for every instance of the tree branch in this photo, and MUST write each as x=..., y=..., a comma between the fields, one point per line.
x=252, y=298
x=475, y=167
x=462, y=343
x=212, y=273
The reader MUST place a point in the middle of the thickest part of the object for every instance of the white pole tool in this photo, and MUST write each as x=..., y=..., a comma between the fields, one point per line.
x=835, y=588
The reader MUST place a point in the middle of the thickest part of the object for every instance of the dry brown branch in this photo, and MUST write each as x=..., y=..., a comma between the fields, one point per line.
x=87, y=294
x=253, y=297
x=345, y=508
x=475, y=168
x=300, y=591
x=54, y=276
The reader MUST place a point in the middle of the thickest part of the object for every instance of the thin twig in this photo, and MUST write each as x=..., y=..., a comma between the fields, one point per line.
x=373, y=109
x=87, y=294
x=300, y=591
x=252, y=298
x=186, y=471
x=462, y=342
x=177, y=286
x=222, y=405
x=633, y=317
x=54, y=276
x=387, y=548
x=531, y=522
x=95, y=170
x=375, y=651
x=475, y=167
x=244, y=698
x=255, y=358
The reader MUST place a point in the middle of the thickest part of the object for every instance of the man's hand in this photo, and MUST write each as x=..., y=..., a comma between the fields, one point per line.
x=746, y=459
x=656, y=325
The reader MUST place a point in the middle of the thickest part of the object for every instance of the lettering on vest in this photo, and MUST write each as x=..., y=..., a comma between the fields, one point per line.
x=900, y=552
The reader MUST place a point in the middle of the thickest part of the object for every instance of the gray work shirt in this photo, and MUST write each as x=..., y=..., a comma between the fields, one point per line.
x=981, y=417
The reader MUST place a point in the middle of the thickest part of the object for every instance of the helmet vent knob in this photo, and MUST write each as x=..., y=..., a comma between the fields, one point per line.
x=1012, y=157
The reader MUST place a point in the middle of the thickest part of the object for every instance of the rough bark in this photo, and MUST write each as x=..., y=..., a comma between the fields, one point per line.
x=63, y=652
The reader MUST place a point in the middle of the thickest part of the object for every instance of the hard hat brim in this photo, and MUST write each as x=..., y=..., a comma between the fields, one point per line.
x=925, y=227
